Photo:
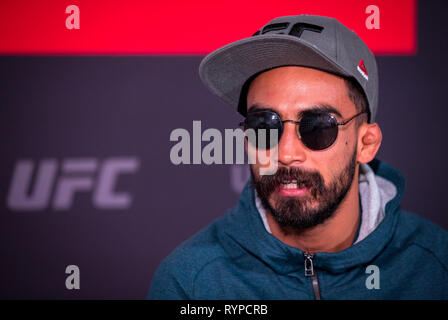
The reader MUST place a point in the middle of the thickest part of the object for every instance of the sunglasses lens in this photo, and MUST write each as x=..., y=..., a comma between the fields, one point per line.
x=318, y=131
x=267, y=120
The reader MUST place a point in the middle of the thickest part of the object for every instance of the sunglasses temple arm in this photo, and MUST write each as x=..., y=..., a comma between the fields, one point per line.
x=350, y=119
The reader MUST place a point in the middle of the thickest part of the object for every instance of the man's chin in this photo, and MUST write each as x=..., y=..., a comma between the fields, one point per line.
x=303, y=202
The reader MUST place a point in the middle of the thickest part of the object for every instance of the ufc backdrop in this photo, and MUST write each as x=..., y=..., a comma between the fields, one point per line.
x=90, y=93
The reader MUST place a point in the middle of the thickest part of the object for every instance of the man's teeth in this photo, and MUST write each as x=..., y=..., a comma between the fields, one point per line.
x=290, y=185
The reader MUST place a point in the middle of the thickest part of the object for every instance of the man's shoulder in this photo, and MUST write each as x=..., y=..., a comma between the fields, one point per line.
x=414, y=230
x=200, y=248
x=423, y=229
x=175, y=276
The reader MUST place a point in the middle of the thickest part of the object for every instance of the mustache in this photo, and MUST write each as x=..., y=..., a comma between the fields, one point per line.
x=313, y=180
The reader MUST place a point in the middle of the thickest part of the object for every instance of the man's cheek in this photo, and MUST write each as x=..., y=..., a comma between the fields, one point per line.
x=265, y=159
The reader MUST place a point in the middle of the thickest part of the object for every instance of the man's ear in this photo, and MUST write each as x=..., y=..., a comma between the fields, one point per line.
x=369, y=141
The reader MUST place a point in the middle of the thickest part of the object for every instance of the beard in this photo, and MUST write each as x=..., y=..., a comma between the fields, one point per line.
x=311, y=209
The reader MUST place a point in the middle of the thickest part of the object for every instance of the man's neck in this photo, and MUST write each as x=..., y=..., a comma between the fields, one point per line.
x=335, y=234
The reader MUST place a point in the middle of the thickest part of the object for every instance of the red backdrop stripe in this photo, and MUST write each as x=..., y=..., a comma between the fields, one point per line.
x=110, y=27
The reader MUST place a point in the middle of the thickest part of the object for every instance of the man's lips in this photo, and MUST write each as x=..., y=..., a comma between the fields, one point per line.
x=291, y=189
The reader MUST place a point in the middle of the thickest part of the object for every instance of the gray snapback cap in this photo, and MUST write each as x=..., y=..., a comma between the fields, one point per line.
x=305, y=40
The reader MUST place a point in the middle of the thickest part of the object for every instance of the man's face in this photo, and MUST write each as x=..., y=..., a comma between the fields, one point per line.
x=308, y=185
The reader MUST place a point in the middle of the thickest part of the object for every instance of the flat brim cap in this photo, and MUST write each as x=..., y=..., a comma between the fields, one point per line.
x=226, y=70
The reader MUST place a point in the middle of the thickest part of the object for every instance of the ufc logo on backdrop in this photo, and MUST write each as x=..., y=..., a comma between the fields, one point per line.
x=68, y=177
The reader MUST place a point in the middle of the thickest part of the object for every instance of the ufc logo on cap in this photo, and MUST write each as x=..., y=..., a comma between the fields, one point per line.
x=296, y=30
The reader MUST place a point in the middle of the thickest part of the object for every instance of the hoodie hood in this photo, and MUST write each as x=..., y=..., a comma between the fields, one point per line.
x=381, y=188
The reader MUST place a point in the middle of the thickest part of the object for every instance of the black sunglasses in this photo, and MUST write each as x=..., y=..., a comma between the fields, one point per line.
x=318, y=130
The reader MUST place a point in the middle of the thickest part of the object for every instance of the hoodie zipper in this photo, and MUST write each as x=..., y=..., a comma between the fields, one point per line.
x=310, y=272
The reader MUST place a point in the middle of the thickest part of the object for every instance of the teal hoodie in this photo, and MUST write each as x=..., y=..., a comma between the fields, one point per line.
x=235, y=257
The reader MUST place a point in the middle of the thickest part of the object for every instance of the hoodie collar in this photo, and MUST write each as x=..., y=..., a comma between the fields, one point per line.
x=248, y=229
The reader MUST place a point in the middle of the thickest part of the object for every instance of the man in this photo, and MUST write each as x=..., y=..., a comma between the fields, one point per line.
x=328, y=223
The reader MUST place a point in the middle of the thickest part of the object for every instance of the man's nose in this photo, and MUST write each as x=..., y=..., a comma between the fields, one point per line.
x=290, y=147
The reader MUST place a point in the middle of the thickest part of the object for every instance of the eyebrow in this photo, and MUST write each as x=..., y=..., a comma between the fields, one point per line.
x=259, y=107
x=314, y=108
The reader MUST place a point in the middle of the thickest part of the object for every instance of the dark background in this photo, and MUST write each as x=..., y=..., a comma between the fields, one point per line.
x=102, y=107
